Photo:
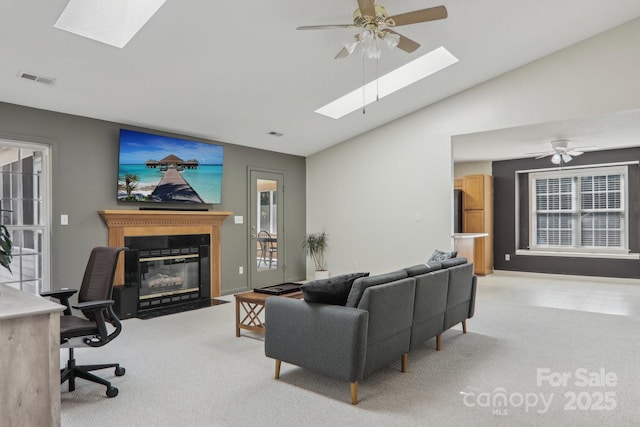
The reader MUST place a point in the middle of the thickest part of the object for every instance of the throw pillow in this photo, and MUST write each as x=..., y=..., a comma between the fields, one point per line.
x=330, y=291
x=439, y=256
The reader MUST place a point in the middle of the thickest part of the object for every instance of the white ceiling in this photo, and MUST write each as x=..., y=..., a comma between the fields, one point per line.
x=234, y=71
x=618, y=130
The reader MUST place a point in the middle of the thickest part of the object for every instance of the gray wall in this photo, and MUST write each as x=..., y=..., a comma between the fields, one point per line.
x=504, y=223
x=85, y=173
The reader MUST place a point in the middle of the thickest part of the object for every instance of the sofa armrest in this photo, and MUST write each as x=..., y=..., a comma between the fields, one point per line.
x=328, y=339
x=472, y=304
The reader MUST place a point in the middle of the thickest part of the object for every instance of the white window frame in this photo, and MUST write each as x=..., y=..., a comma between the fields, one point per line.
x=576, y=211
x=17, y=280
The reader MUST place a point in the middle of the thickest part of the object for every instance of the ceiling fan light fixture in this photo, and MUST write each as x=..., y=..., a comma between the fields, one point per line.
x=365, y=35
x=391, y=40
x=556, y=159
x=371, y=49
x=351, y=44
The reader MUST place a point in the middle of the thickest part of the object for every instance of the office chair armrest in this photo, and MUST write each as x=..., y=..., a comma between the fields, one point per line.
x=96, y=310
x=93, y=305
x=61, y=295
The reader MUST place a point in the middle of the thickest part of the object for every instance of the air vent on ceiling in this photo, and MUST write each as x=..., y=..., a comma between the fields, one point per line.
x=274, y=133
x=35, y=78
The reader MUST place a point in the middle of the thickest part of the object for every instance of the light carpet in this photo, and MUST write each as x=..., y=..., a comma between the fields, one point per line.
x=190, y=369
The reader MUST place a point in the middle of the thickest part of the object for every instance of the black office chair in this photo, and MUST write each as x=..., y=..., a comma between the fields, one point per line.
x=94, y=300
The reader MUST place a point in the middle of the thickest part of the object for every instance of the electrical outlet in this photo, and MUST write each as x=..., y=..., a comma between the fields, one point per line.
x=64, y=219
x=507, y=257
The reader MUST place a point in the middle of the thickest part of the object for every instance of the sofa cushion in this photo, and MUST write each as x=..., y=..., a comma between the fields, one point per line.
x=439, y=256
x=459, y=295
x=362, y=283
x=334, y=290
x=430, y=306
x=453, y=261
x=416, y=270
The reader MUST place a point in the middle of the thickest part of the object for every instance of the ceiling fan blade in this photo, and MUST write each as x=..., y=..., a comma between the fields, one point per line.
x=406, y=44
x=586, y=148
x=367, y=7
x=424, y=15
x=324, y=27
x=342, y=54
x=538, y=153
x=544, y=155
x=574, y=152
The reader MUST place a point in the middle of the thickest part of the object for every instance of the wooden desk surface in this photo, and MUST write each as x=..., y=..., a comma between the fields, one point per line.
x=15, y=303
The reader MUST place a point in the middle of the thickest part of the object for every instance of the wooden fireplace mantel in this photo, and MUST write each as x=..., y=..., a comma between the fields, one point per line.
x=126, y=223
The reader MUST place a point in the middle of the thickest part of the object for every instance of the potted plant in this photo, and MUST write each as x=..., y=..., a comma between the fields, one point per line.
x=6, y=246
x=315, y=245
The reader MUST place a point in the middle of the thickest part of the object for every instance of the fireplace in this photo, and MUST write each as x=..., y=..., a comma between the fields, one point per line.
x=165, y=231
x=167, y=270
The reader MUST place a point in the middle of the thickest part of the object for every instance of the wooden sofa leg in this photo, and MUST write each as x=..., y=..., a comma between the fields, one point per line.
x=404, y=363
x=354, y=393
x=464, y=326
x=278, y=363
x=438, y=342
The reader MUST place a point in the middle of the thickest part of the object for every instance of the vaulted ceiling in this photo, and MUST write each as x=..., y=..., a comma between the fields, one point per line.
x=236, y=71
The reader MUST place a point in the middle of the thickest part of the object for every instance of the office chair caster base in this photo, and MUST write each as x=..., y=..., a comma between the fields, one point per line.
x=112, y=392
x=120, y=371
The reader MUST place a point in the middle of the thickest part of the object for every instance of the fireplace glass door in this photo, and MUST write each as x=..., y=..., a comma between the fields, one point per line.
x=168, y=275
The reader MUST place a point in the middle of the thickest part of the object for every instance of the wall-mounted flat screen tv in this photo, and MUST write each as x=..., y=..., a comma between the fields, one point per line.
x=160, y=169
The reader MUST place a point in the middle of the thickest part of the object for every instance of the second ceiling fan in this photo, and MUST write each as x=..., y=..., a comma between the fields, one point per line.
x=561, y=152
x=375, y=23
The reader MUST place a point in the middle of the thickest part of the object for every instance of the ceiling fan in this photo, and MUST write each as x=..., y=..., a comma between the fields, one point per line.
x=561, y=152
x=375, y=23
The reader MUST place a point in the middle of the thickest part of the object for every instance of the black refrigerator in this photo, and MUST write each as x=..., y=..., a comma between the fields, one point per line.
x=457, y=211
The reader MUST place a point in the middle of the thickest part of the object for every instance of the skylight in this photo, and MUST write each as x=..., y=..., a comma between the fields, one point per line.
x=113, y=22
x=397, y=79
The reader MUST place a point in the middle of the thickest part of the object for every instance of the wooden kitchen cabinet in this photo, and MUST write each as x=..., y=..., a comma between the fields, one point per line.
x=477, y=189
x=477, y=217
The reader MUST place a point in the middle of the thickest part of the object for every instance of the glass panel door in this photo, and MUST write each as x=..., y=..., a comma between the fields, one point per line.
x=265, y=236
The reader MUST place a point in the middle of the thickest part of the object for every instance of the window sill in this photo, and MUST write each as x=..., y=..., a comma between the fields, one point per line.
x=577, y=254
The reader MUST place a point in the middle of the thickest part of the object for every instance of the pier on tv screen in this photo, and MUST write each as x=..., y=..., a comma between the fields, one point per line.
x=160, y=169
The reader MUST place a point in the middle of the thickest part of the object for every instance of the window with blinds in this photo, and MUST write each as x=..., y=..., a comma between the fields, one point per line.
x=579, y=209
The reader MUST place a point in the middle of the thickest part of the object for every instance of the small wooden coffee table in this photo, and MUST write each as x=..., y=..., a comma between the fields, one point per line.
x=252, y=304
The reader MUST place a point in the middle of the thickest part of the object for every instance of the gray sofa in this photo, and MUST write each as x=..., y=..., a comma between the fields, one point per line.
x=385, y=316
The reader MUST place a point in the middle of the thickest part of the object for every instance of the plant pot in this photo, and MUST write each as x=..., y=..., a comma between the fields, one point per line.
x=320, y=274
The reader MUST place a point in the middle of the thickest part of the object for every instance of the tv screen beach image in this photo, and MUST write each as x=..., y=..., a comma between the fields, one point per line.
x=160, y=169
